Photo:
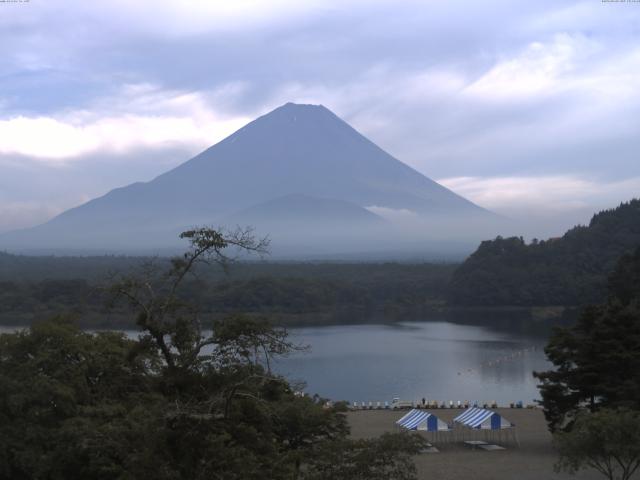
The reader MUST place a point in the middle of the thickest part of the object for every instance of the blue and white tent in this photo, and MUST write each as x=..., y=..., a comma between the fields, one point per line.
x=424, y=421
x=482, y=419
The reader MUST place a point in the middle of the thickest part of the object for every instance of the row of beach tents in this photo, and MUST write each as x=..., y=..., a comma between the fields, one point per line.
x=472, y=419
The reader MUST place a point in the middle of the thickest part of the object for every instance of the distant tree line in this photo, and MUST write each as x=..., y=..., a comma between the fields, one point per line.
x=567, y=271
x=571, y=270
x=297, y=293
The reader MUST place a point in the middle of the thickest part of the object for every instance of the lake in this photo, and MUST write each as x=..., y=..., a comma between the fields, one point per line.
x=437, y=360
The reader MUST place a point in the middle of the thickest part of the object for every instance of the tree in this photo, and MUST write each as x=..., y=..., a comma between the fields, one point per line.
x=169, y=322
x=607, y=441
x=571, y=270
x=74, y=404
x=624, y=282
x=180, y=402
x=597, y=361
x=389, y=456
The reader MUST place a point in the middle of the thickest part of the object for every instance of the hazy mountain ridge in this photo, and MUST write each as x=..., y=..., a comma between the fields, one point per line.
x=294, y=150
x=298, y=208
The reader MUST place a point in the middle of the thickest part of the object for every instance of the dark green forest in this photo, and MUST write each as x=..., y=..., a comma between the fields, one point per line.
x=297, y=293
x=571, y=270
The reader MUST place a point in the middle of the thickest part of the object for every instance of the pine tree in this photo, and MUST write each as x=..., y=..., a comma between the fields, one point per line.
x=598, y=360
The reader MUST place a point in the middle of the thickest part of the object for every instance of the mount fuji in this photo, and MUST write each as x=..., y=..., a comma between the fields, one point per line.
x=299, y=174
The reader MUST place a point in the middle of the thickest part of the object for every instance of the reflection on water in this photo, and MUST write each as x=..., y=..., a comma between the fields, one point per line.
x=437, y=360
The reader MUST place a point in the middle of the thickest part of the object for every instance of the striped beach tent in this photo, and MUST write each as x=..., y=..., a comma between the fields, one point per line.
x=482, y=419
x=421, y=420
x=490, y=425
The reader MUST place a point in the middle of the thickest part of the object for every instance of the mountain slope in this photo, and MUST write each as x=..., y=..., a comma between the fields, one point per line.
x=571, y=270
x=295, y=149
x=298, y=209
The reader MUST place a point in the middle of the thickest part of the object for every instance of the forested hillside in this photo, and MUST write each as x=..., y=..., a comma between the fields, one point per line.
x=293, y=293
x=571, y=270
x=567, y=271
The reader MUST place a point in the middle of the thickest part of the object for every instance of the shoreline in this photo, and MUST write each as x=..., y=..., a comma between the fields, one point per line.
x=501, y=315
x=532, y=460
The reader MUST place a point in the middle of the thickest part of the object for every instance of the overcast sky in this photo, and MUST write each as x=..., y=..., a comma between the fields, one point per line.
x=528, y=108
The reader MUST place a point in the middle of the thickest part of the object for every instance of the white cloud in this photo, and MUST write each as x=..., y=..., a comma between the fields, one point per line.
x=585, y=16
x=533, y=72
x=538, y=109
x=565, y=65
x=164, y=17
x=554, y=194
x=393, y=214
x=140, y=116
x=544, y=206
x=490, y=90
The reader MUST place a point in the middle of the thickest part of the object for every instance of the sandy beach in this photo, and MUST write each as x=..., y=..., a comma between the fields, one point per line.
x=533, y=460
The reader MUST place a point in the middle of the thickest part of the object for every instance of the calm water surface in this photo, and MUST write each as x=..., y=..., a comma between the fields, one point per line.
x=437, y=360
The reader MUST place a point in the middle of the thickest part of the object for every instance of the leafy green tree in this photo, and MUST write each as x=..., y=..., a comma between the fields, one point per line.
x=179, y=402
x=597, y=361
x=389, y=456
x=167, y=321
x=607, y=441
x=66, y=397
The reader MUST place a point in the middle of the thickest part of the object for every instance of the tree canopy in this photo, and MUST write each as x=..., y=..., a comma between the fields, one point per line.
x=607, y=441
x=597, y=361
x=571, y=270
x=187, y=399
